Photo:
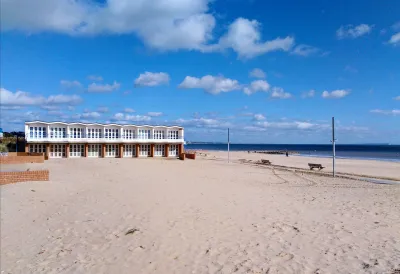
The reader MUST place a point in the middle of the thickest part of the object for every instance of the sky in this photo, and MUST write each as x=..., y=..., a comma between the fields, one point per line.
x=270, y=71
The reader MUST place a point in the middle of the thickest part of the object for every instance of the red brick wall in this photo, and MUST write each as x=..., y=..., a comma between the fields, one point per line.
x=23, y=176
x=11, y=159
x=190, y=156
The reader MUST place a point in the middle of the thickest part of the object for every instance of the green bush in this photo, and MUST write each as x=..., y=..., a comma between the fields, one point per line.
x=3, y=148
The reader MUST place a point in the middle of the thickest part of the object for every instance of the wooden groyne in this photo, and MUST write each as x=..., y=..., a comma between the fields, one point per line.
x=281, y=152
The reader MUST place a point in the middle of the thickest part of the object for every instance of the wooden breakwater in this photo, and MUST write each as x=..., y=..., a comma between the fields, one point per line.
x=281, y=152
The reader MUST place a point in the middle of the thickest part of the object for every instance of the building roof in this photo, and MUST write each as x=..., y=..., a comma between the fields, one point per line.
x=99, y=124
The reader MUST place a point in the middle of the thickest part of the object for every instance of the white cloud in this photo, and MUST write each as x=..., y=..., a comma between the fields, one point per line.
x=351, y=31
x=396, y=26
x=258, y=73
x=10, y=107
x=70, y=84
x=351, y=69
x=91, y=115
x=129, y=110
x=94, y=87
x=102, y=109
x=21, y=98
x=150, y=79
x=244, y=37
x=279, y=93
x=131, y=118
x=51, y=107
x=335, y=94
x=259, y=117
x=255, y=86
x=295, y=125
x=395, y=39
x=161, y=24
x=397, y=98
x=211, y=84
x=386, y=112
x=308, y=94
x=305, y=50
x=202, y=122
x=154, y=114
x=63, y=99
x=95, y=78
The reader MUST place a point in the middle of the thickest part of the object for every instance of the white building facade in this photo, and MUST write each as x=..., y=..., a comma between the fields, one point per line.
x=64, y=140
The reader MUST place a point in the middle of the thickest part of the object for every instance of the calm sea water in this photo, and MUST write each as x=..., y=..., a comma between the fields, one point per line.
x=375, y=152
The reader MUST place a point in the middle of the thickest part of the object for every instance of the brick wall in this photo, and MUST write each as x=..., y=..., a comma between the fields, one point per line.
x=190, y=156
x=14, y=159
x=23, y=176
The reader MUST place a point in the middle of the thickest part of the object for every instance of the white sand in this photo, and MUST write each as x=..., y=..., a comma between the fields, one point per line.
x=200, y=216
x=362, y=167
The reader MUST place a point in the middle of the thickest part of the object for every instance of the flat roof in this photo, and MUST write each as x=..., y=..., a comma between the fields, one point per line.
x=98, y=124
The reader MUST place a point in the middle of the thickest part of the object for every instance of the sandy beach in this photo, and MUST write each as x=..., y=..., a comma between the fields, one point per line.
x=202, y=216
x=371, y=168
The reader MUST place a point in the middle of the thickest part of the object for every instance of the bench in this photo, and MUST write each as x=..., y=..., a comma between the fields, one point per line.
x=312, y=166
x=265, y=162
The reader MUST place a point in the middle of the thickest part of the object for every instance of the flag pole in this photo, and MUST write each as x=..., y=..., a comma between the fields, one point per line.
x=333, y=146
x=228, y=147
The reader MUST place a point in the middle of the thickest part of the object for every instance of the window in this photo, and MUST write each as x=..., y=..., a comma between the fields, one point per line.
x=37, y=148
x=31, y=132
x=159, y=134
x=44, y=132
x=173, y=134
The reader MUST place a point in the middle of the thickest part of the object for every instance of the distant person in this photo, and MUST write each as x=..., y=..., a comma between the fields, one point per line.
x=287, y=153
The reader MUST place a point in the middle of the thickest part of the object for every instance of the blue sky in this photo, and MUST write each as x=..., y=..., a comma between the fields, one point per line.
x=271, y=71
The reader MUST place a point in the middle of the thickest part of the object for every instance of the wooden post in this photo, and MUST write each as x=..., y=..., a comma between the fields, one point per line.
x=103, y=150
x=121, y=151
x=46, y=157
x=67, y=150
x=166, y=150
x=86, y=150
x=152, y=150
x=180, y=149
x=137, y=150
x=26, y=147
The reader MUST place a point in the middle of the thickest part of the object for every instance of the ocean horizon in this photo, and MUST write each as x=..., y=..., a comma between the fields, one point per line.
x=381, y=152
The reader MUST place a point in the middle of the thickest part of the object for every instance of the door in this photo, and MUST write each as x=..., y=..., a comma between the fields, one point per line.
x=144, y=150
x=76, y=150
x=111, y=150
x=173, y=150
x=159, y=150
x=57, y=151
x=94, y=150
x=129, y=150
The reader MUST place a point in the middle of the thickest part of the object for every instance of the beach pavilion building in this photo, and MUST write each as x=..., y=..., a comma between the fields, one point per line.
x=65, y=140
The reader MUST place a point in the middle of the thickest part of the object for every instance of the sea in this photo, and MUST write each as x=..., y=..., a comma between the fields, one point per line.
x=366, y=152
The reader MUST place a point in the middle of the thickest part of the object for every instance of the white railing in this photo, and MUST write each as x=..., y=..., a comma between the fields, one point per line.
x=102, y=140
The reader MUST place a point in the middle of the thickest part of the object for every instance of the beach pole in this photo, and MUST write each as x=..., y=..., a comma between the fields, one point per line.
x=228, y=146
x=333, y=146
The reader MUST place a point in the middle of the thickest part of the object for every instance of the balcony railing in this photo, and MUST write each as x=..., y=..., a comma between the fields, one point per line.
x=86, y=138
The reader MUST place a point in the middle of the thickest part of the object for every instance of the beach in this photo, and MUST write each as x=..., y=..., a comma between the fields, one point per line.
x=373, y=168
x=102, y=215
